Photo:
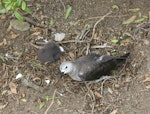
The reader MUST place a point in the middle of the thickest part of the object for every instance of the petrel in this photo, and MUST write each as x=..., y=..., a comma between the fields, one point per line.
x=92, y=67
x=50, y=52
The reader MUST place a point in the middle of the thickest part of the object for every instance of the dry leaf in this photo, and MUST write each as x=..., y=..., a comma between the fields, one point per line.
x=98, y=95
x=147, y=79
x=3, y=105
x=114, y=111
x=36, y=79
x=36, y=34
x=110, y=90
x=146, y=42
x=13, y=87
x=71, y=54
x=148, y=87
x=12, y=35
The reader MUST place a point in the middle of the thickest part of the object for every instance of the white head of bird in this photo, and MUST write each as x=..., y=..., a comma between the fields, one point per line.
x=66, y=67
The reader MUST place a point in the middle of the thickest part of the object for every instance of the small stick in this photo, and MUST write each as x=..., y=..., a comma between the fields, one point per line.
x=37, y=24
x=63, y=5
x=99, y=22
x=53, y=98
x=97, y=17
x=73, y=41
x=88, y=46
x=100, y=46
x=38, y=47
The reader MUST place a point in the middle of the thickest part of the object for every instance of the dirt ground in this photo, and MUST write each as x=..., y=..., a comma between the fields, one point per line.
x=127, y=93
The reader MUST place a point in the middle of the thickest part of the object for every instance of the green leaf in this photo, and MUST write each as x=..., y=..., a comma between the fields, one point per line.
x=145, y=16
x=130, y=20
x=42, y=104
x=68, y=12
x=18, y=16
x=115, y=7
x=59, y=102
x=6, y=1
x=114, y=41
x=113, y=53
x=24, y=5
x=2, y=11
x=18, y=3
x=8, y=6
x=52, y=22
x=24, y=100
x=2, y=58
x=1, y=7
x=134, y=10
x=36, y=64
x=139, y=20
x=47, y=98
x=113, y=72
x=28, y=10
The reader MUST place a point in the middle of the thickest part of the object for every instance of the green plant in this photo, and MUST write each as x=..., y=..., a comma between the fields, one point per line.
x=15, y=6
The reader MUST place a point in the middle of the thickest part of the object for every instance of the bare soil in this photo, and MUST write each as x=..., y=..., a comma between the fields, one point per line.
x=127, y=93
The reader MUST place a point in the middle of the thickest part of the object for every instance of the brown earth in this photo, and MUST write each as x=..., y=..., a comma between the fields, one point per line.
x=127, y=93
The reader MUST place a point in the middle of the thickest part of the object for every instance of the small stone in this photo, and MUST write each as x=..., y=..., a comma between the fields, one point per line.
x=19, y=76
x=19, y=25
x=59, y=36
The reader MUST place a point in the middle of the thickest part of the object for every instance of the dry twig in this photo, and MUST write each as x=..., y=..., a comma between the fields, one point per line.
x=53, y=98
x=94, y=28
x=93, y=98
x=63, y=5
x=37, y=24
x=102, y=18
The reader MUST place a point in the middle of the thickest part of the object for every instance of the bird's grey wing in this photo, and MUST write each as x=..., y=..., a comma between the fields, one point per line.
x=86, y=65
x=94, y=67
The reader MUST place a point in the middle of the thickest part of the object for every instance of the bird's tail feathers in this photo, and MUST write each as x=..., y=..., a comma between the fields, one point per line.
x=122, y=59
x=125, y=55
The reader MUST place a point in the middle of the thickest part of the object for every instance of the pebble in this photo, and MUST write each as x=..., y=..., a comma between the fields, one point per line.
x=19, y=25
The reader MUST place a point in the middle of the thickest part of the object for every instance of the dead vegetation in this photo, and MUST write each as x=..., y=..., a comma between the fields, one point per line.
x=100, y=31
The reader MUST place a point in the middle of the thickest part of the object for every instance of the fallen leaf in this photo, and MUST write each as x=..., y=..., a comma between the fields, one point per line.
x=147, y=79
x=59, y=102
x=114, y=41
x=148, y=87
x=110, y=90
x=130, y=20
x=68, y=12
x=115, y=7
x=146, y=42
x=98, y=95
x=134, y=10
x=36, y=79
x=36, y=34
x=3, y=105
x=71, y=54
x=13, y=87
x=114, y=111
x=52, y=21
x=24, y=100
x=12, y=35
x=42, y=104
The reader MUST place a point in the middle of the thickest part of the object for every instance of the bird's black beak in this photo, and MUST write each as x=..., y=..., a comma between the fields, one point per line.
x=62, y=74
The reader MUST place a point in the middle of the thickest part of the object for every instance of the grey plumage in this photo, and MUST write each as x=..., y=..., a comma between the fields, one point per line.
x=91, y=67
x=50, y=52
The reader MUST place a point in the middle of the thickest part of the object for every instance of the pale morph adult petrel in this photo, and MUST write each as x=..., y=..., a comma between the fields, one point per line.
x=92, y=66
